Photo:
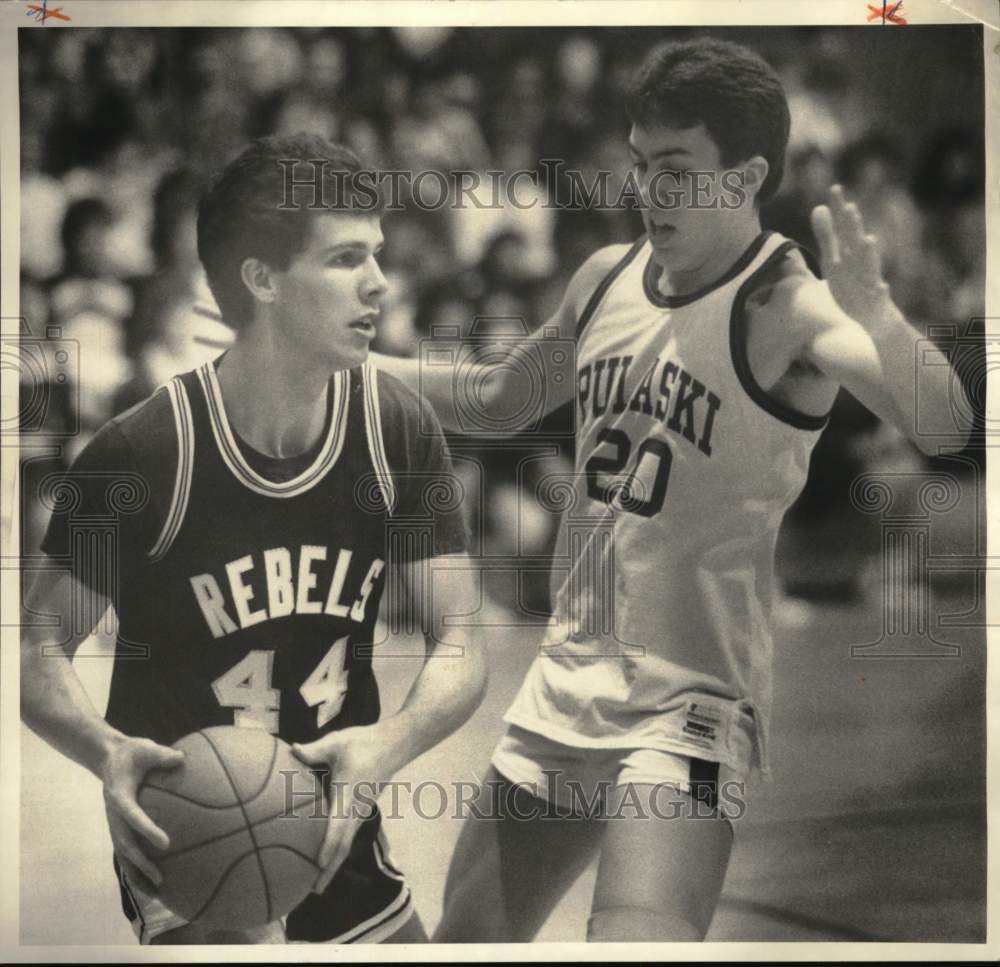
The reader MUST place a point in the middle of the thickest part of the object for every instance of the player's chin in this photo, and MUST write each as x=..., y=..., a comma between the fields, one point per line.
x=665, y=256
x=353, y=347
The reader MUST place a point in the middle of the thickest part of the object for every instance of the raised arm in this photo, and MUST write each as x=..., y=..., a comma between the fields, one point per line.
x=501, y=386
x=850, y=329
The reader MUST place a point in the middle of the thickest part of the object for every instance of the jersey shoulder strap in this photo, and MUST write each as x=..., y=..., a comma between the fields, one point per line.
x=160, y=435
x=602, y=289
x=371, y=381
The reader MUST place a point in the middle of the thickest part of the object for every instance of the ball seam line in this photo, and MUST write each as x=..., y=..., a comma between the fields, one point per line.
x=246, y=818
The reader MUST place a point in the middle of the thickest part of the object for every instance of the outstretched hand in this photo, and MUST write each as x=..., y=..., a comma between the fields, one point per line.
x=851, y=261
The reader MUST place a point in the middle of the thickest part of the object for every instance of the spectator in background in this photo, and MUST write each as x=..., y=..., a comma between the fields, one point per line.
x=89, y=303
x=506, y=269
x=448, y=306
x=823, y=96
x=214, y=100
x=808, y=178
x=951, y=288
x=948, y=185
x=574, y=101
x=441, y=130
x=875, y=172
x=316, y=104
x=173, y=328
x=577, y=234
x=417, y=250
x=520, y=125
x=43, y=201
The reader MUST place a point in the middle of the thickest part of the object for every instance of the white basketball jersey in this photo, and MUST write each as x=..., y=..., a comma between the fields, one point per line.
x=664, y=563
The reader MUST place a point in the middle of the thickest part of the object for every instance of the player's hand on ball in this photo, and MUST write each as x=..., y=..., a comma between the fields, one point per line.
x=126, y=766
x=852, y=264
x=353, y=757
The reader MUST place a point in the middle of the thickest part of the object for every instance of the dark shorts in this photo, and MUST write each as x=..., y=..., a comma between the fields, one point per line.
x=367, y=901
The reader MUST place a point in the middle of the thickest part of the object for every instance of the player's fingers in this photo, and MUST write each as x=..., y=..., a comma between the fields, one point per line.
x=873, y=256
x=854, y=236
x=134, y=875
x=323, y=753
x=129, y=850
x=134, y=816
x=846, y=233
x=838, y=203
x=312, y=753
x=826, y=235
x=163, y=757
x=331, y=842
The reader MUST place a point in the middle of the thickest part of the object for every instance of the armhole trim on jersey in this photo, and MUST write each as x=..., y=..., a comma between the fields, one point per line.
x=376, y=442
x=602, y=289
x=184, y=424
x=741, y=362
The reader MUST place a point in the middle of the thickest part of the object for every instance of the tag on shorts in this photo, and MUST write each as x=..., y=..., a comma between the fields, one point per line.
x=703, y=724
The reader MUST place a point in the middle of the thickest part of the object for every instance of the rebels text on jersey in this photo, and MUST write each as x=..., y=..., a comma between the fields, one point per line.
x=247, y=588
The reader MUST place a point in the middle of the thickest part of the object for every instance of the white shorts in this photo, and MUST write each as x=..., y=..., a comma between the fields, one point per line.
x=570, y=775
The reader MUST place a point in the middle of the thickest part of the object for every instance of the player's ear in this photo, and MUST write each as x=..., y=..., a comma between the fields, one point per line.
x=259, y=279
x=755, y=173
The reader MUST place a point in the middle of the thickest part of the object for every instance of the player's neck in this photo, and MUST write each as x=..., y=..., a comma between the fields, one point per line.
x=686, y=281
x=274, y=403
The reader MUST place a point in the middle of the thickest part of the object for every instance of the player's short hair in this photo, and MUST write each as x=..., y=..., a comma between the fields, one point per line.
x=249, y=212
x=732, y=90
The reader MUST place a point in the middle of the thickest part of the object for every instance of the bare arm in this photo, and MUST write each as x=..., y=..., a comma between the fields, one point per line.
x=55, y=705
x=452, y=681
x=528, y=371
x=851, y=330
x=448, y=689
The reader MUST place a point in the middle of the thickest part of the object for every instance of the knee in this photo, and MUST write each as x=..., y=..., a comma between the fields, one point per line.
x=633, y=924
x=465, y=921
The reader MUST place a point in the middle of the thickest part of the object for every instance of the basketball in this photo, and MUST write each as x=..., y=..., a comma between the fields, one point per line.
x=246, y=820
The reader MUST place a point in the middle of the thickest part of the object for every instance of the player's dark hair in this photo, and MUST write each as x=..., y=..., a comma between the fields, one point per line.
x=733, y=90
x=249, y=211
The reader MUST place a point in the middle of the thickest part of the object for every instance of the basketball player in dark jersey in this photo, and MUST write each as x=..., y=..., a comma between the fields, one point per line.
x=240, y=521
x=708, y=355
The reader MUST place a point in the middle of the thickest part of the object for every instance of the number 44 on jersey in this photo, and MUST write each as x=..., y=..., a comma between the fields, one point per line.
x=247, y=688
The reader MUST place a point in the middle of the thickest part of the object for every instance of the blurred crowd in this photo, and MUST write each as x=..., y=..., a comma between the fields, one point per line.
x=121, y=128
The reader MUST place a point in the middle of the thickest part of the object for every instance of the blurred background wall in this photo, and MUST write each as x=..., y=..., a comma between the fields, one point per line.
x=120, y=129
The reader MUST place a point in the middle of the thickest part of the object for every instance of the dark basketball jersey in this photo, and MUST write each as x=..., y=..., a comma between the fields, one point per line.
x=247, y=589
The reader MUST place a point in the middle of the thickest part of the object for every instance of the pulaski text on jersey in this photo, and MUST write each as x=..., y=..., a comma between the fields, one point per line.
x=667, y=392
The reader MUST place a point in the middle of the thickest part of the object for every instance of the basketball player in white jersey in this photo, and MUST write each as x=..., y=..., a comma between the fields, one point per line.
x=709, y=355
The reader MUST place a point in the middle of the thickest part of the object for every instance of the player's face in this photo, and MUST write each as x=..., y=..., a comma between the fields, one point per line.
x=688, y=202
x=329, y=297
